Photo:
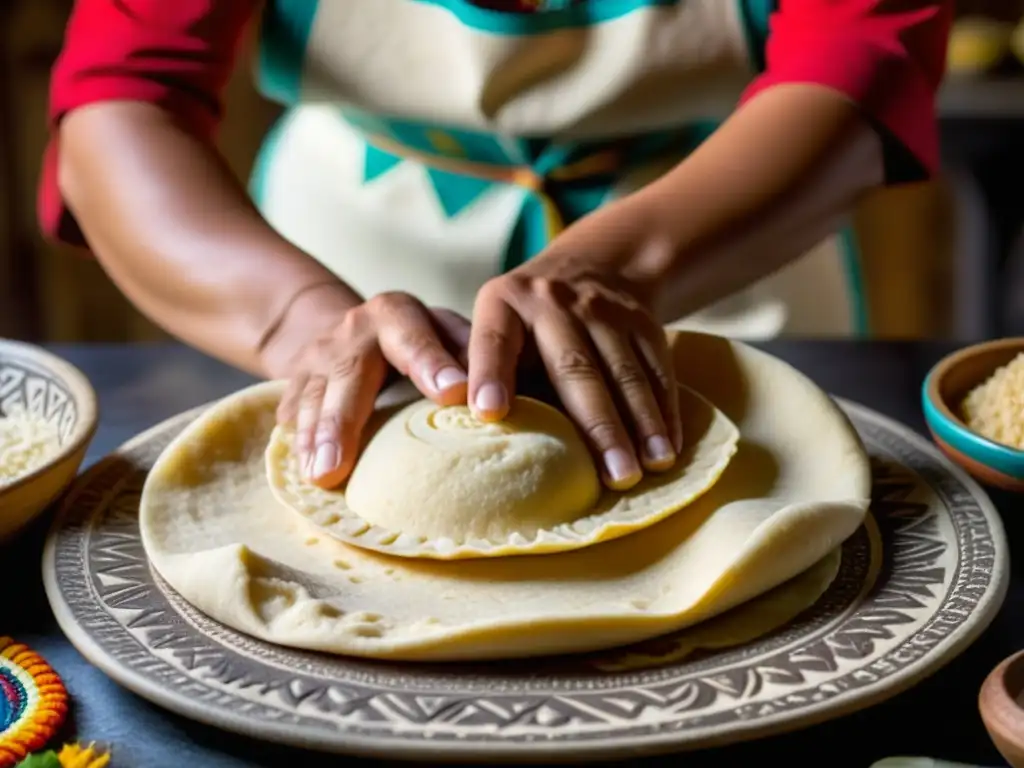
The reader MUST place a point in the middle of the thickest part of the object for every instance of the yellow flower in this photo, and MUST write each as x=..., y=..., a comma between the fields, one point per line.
x=74, y=756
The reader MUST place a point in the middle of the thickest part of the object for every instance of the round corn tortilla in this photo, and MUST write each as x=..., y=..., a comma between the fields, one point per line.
x=797, y=487
x=436, y=483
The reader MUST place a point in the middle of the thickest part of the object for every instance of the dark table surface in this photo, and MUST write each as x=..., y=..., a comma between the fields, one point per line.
x=139, y=386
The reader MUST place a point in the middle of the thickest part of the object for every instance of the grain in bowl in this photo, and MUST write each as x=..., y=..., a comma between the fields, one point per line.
x=995, y=408
x=27, y=443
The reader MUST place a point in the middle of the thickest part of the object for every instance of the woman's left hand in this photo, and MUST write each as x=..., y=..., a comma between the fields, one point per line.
x=606, y=355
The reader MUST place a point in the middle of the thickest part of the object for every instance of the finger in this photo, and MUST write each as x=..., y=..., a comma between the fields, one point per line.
x=288, y=408
x=454, y=330
x=628, y=377
x=410, y=342
x=354, y=382
x=652, y=346
x=576, y=375
x=305, y=422
x=495, y=341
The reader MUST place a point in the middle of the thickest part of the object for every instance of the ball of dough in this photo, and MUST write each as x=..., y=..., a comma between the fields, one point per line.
x=439, y=472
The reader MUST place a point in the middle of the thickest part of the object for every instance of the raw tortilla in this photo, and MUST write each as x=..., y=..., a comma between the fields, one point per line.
x=797, y=487
x=743, y=624
x=436, y=483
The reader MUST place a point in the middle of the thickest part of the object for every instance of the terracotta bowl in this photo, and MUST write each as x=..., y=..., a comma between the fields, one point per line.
x=943, y=390
x=1001, y=702
x=56, y=391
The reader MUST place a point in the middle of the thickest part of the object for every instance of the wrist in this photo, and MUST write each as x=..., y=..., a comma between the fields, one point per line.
x=654, y=251
x=309, y=310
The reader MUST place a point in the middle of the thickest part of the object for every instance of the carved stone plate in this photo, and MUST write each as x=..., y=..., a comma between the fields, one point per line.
x=918, y=583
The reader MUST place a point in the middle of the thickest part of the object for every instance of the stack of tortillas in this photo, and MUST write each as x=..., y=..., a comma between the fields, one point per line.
x=455, y=540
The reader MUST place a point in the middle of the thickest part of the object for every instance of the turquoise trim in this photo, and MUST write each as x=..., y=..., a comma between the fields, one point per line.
x=367, y=122
x=287, y=24
x=377, y=162
x=456, y=191
x=458, y=143
x=537, y=232
x=850, y=252
x=754, y=15
x=1001, y=458
x=281, y=58
x=530, y=235
x=583, y=201
x=264, y=158
x=573, y=198
x=578, y=15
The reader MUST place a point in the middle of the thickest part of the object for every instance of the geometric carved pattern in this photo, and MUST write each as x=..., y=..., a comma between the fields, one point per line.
x=25, y=387
x=916, y=585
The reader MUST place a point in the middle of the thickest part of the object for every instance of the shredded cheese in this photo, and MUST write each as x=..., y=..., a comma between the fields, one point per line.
x=26, y=444
x=995, y=408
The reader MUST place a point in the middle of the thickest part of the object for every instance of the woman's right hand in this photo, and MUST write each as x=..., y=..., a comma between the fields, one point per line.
x=335, y=378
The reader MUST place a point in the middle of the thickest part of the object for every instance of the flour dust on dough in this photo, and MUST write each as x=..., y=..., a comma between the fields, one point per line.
x=435, y=482
x=797, y=487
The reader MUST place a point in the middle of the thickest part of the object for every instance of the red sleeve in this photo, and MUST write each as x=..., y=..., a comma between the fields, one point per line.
x=178, y=54
x=887, y=56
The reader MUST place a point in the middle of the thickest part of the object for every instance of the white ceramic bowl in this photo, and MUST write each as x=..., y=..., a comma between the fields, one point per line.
x=54, y=390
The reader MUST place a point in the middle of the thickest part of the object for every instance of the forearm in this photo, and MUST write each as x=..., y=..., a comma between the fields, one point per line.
x=773, y=181
x=177, y=233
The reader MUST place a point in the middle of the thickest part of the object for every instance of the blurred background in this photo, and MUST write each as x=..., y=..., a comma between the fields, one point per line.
x=944, y=259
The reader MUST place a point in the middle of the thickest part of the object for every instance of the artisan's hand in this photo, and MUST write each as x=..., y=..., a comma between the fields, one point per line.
x=605, y=354
x=336, y=377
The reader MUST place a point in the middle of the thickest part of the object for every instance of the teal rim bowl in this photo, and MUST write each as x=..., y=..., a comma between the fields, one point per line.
x=943, y=390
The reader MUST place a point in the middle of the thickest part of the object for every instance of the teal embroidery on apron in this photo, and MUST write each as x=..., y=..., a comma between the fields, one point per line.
x=562, y=14
x=287, y=24
x=563, y=181
x=281, y=57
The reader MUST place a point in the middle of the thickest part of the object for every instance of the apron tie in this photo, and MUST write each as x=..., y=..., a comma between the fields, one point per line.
x=563, y=183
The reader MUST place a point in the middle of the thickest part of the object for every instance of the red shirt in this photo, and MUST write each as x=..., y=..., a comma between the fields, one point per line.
x=887, y=56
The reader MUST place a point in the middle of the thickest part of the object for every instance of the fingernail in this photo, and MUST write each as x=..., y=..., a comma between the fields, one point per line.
x=659, y=450
x=326, y=459
x=447, y=378
x=621, y=468
x=491, y=397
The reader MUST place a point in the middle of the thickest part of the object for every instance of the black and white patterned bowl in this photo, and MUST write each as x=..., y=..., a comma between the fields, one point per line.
x=55, y=391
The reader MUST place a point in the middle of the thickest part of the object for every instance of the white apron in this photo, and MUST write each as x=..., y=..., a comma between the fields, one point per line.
x=430, y=145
